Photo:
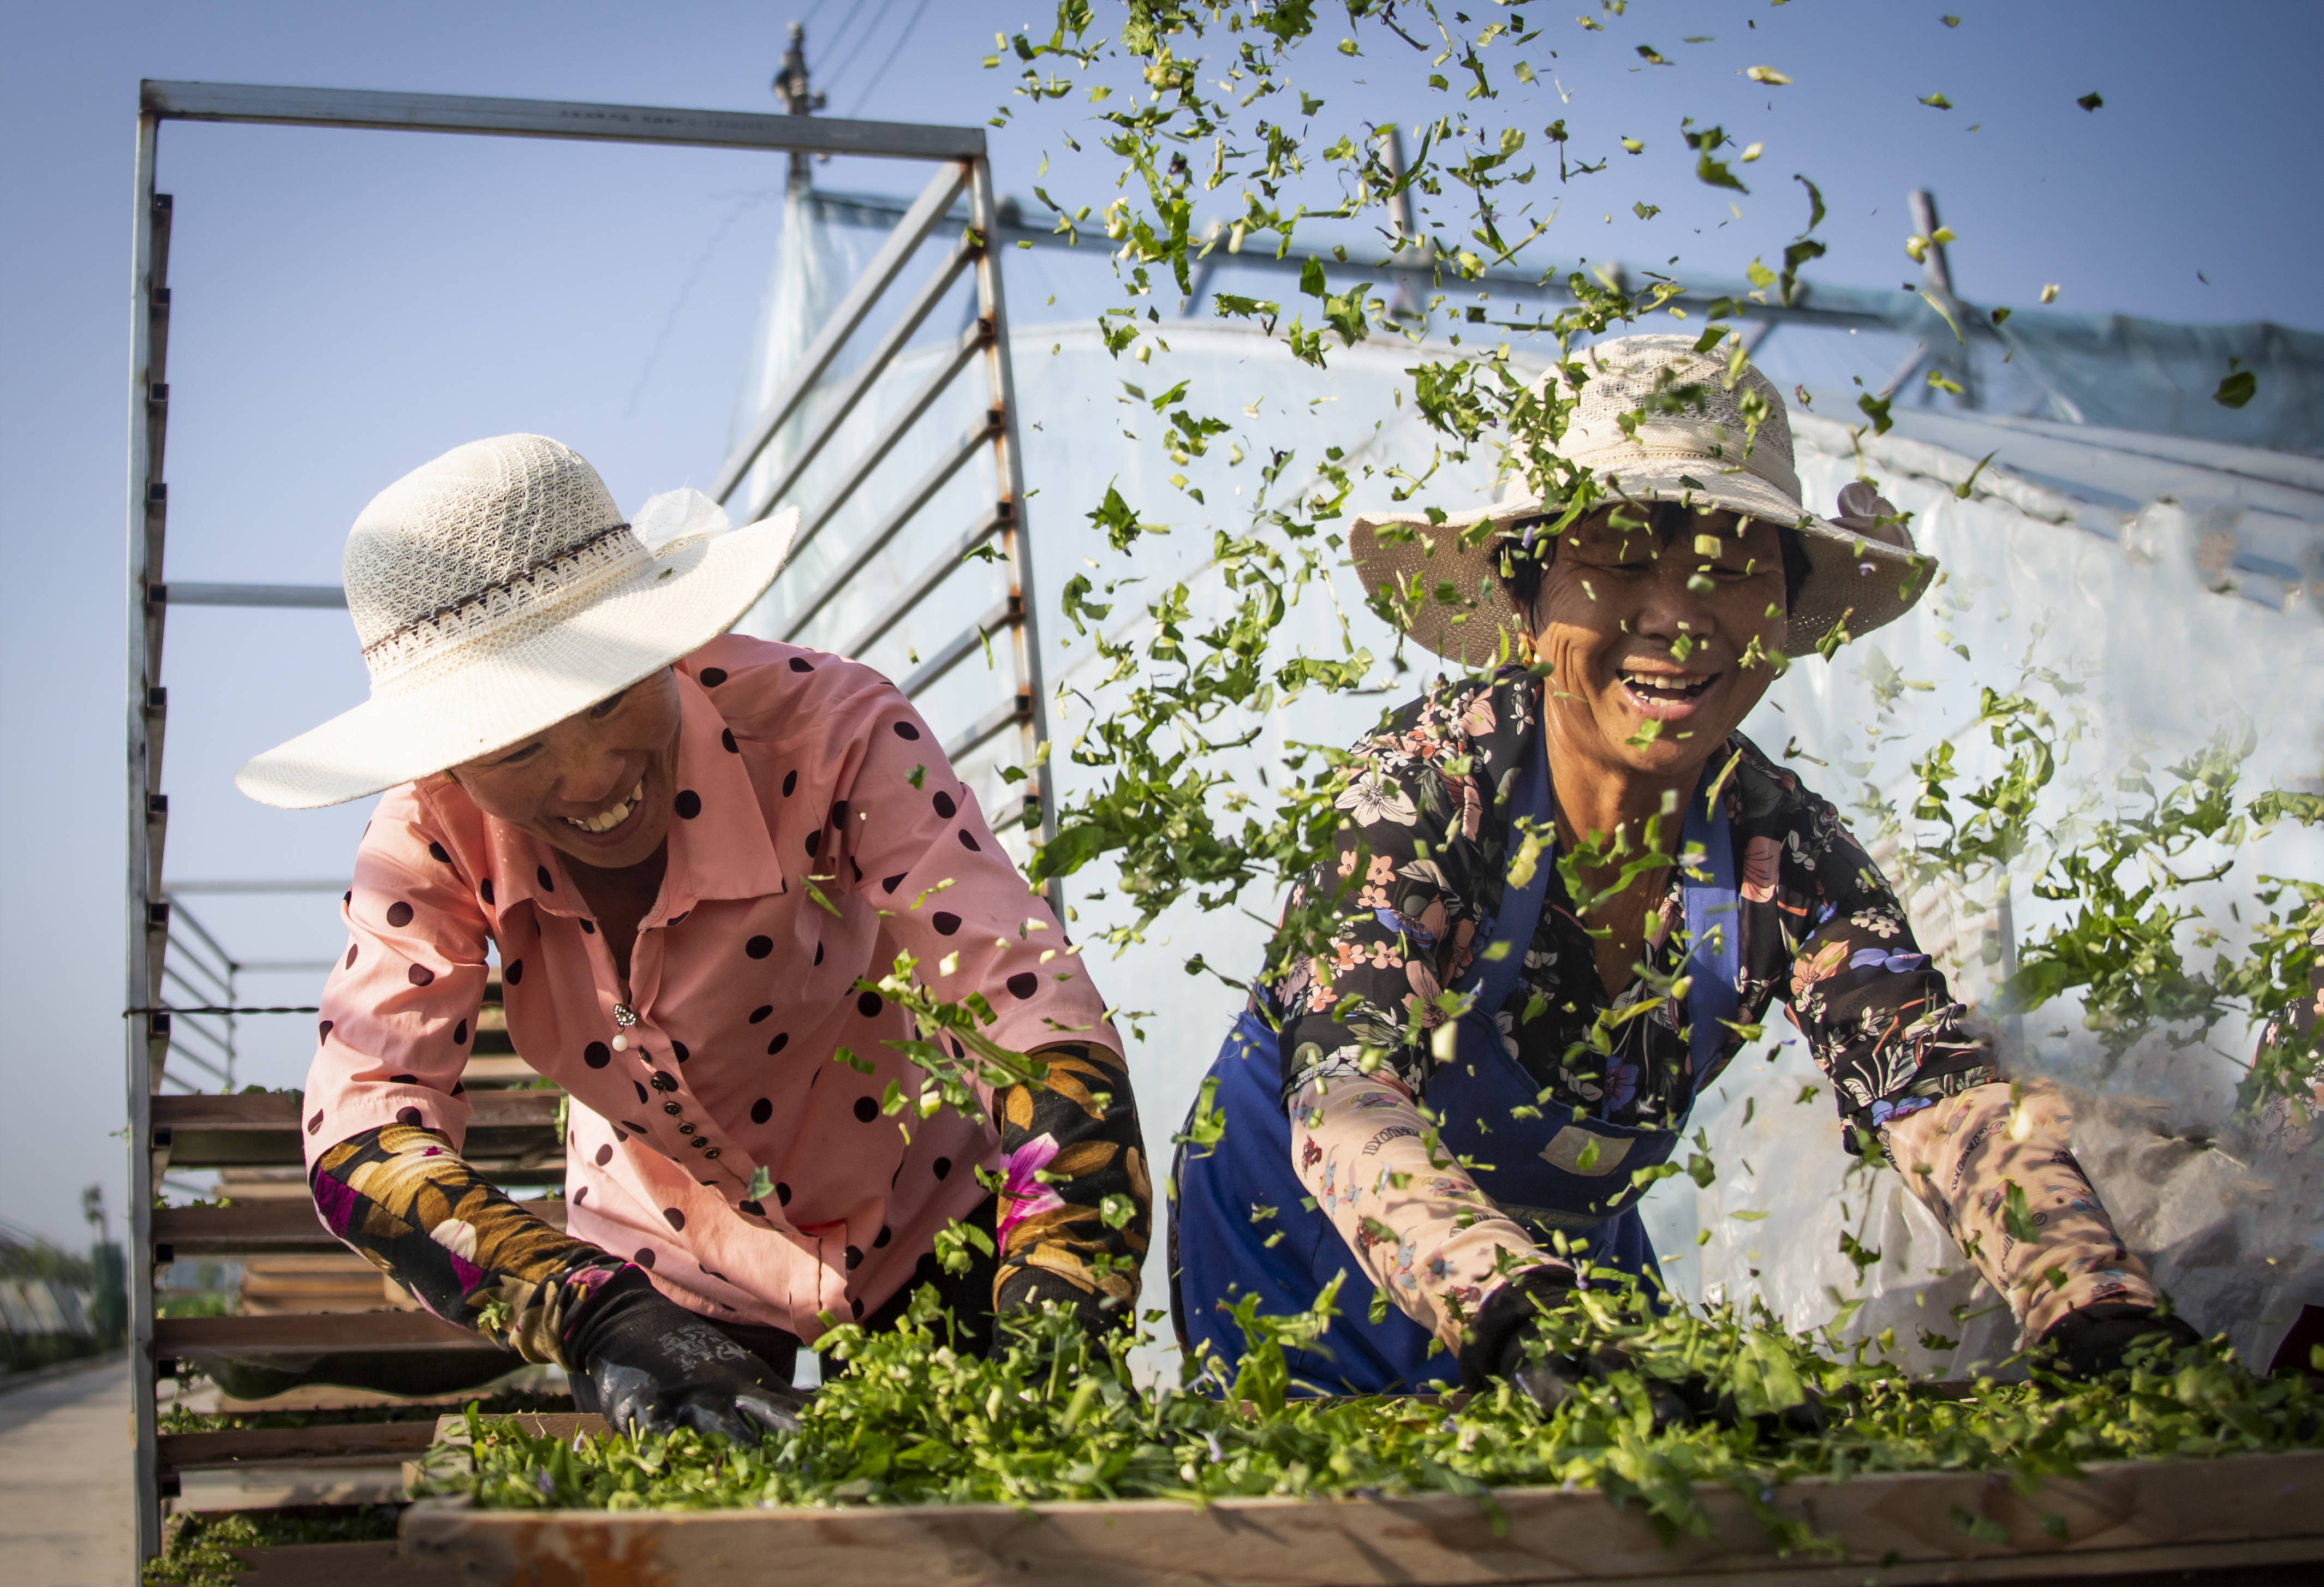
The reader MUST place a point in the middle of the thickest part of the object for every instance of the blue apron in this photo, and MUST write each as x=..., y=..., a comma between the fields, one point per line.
x=1536, y=1173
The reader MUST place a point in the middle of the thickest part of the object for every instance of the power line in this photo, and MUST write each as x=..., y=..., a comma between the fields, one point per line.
x=856, y=49
x=902, y=34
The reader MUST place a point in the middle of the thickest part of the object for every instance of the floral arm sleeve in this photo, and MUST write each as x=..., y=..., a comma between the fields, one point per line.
x=400, y=1195
x=2002, y=1178
x=1420, y=1228
x=1076, y=1206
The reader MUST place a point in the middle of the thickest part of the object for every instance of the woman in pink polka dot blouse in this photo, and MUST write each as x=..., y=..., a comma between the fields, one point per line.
x=691, y=851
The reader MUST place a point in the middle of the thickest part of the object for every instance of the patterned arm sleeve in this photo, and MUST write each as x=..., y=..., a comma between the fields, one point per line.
x=1876, y=1014
x=1420, y=1228
x=400, y=1195
x=2002, y=1178
x=1076, y=1207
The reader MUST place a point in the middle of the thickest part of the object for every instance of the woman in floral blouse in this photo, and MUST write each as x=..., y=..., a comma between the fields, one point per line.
x=712, y=869
x=1567, y=890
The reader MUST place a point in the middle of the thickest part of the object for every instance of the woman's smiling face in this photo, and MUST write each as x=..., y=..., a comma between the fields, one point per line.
x=1650, y=639
x=598, y=784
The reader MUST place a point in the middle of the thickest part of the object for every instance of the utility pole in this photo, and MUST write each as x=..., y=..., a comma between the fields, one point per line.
x=790, y=86
x=1948, y=356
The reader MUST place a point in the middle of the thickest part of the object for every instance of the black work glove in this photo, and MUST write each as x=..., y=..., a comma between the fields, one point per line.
x=2094, y=1341
x=1505, y=1344
x=656, y=1367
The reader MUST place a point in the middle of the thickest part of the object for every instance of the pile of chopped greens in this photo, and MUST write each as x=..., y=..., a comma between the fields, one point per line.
x=1055, y=1415
x=195, y=1549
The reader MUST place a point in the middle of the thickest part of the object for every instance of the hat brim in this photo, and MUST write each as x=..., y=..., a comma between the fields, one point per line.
x=1853, y=582
x=689, y=593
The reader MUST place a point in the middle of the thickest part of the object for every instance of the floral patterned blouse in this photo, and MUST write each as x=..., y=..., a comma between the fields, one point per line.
x=1429, y=803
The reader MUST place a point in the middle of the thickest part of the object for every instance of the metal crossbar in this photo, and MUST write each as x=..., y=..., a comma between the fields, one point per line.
x=158, y=1035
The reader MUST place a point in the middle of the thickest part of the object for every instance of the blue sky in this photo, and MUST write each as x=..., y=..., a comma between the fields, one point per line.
x=349, y=304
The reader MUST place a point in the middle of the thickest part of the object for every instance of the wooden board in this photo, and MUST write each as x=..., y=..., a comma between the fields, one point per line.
x=234, y=1448
x=2119, y=1521
x=315, y=1334
x=207, y=1131
x=272, y=1228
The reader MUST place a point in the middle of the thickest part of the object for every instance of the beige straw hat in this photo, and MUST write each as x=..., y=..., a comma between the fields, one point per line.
x=1861, y=573
x=496, y=591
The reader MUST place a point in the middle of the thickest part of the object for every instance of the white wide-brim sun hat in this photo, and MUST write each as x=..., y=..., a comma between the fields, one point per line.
x=497, y=591
x=1862, y=572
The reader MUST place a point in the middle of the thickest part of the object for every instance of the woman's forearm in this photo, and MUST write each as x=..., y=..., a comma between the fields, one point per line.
x=1418, y=1225
x=2001, y=1176
x=1078, y=1204
x=400, y=1195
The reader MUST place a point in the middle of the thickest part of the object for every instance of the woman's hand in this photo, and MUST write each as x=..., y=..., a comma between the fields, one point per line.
x=2098, y=1339
x=656, y=1367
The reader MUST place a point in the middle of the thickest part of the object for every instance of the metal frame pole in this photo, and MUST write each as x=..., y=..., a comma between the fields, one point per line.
x=147, y=1035
x=1008, y=468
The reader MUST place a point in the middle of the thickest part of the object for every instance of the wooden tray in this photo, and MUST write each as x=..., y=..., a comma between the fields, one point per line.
x=2245, y=1519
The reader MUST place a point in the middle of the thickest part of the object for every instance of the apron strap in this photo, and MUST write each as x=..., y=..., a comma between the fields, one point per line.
x=1521, y=910
x=1713, y=924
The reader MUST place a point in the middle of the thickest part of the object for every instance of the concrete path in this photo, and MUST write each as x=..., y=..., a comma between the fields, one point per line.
x=64, y=1480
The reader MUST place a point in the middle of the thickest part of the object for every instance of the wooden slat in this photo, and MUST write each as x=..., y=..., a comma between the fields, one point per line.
x=2117, y=1521
x=384, y=1443
x=336, y=1564
x=209, y=1132
x=321, y=1334
x=269, y=1228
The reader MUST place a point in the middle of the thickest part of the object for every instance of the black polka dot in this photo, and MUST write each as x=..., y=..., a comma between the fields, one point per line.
x=314, y=1123
x=633, y=1129
x=969, y=842
x=513, y=972
x=866, y=1110
x=799, y=664
x=604, y=1156
x=711, y=677
x=408, y=1116
x=436, y=853
x=351, y=956
x=399, y=913
x=726, y=737
x=485, y=890
x=854, y=1259
x=855, y=1308
x=879, y=1241
x=758, y=947
x=641, y=1089
x=783, y=1194
x=581, y=1194
x=905, y=729
x=460, y=1034
x=644, y=1258
x=349, y=897
x=677, y=1050
x=814, y=840
x=943, y=1166
x=460, y=1088
x=854, y=864
x=662, y=1081
x=891, y=883
x=782, y=1040
x=946, y=922
x=548, y=882
x=419, y=975
x=403, y=1080
x=596, y=1054
x=688, y=804
x=790, y=782
x=839, y=814
x=945, y=807
x=1024, y=984
x=818, y=952
x=323, y=1031
x=762, y=1110
x=761, y=1012
x=676, y=1219
x=869, y=1005
x=588, y=928
x=751, y=1207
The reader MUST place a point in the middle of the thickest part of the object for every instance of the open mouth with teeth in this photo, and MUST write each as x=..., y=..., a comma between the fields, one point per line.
x=613, y=817
x=1666, y=695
